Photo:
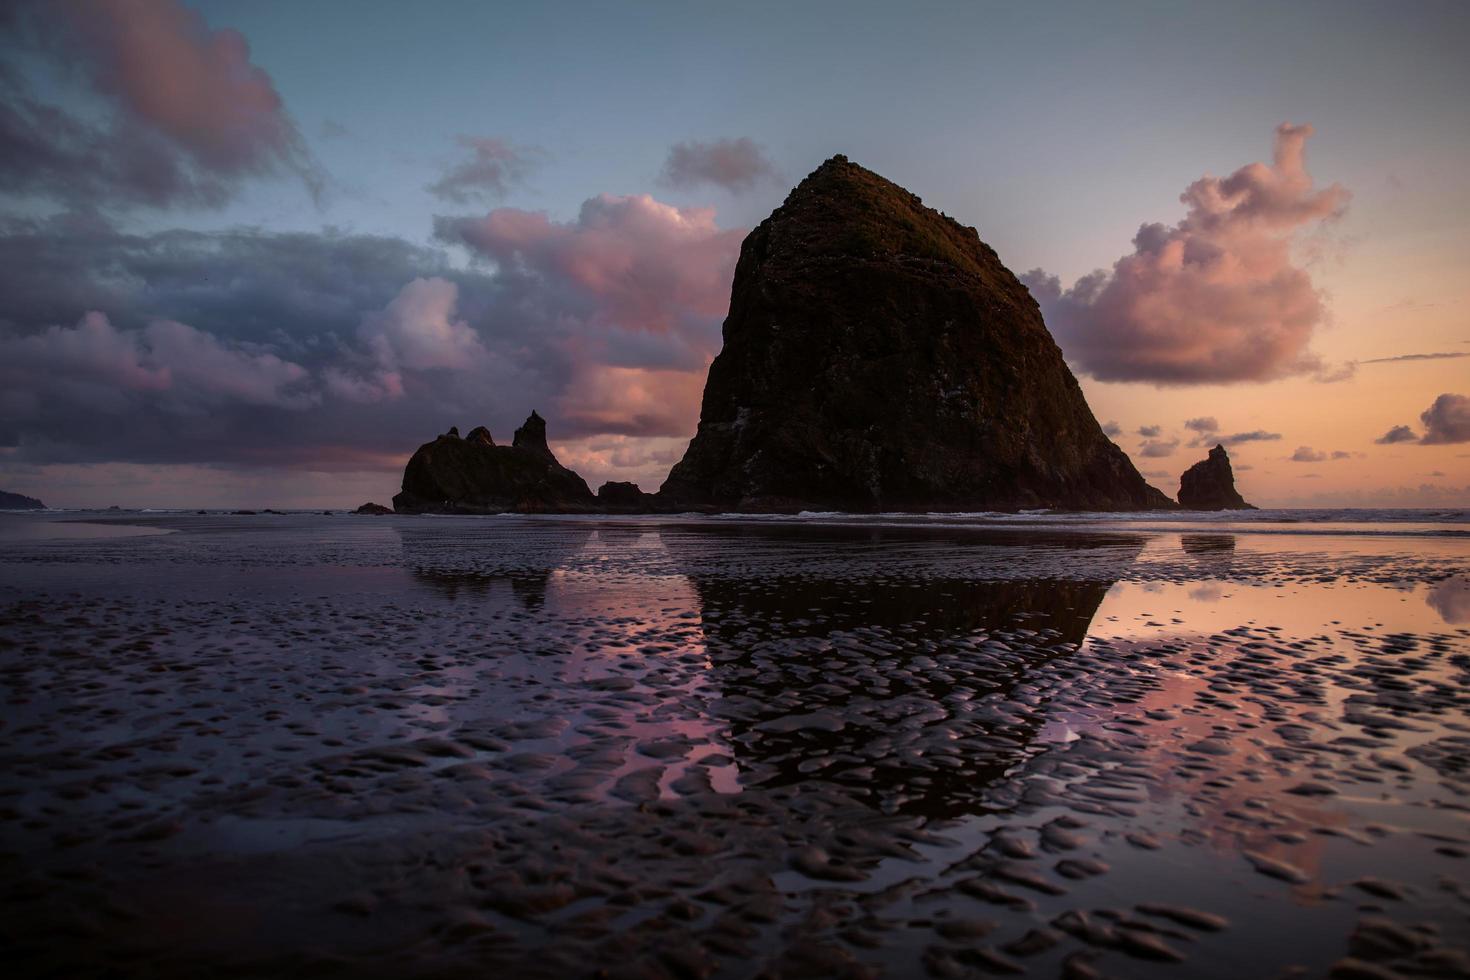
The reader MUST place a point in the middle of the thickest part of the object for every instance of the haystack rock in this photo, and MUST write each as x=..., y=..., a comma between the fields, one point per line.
x=474, y=475
x=878, y=356
x=1210, y=484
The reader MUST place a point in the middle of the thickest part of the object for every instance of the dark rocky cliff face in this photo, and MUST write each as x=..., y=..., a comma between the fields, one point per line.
x=1210, y=484
x=878, y=356
x=473, y=475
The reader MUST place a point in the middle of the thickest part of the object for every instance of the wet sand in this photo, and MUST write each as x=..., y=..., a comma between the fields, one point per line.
x=303, y=746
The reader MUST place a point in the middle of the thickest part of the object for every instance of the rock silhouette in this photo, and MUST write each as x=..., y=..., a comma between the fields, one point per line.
x=878, y=356
x=19, y=501
x=473, y=475
x=625, y=498
x=1210, y=484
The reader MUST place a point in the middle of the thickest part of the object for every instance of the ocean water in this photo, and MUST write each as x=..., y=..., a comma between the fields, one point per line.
x=835, y=745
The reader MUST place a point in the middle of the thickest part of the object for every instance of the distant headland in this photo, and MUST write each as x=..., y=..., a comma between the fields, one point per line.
x=19, y=501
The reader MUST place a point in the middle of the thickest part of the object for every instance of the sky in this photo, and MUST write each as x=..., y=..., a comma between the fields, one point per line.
x=252, y=255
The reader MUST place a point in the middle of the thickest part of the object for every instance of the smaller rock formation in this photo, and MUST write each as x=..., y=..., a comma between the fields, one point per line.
x=370, y=508
x=1210, y=485
x=473, y=475
x=616, y=497
x=19, y=501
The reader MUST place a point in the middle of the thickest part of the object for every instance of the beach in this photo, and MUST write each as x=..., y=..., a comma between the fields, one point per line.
x=830, y=745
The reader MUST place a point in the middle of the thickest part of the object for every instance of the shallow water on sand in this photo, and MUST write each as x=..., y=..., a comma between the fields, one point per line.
x=278, y=745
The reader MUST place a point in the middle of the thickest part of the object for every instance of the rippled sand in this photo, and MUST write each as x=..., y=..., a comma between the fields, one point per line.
x=286, y=746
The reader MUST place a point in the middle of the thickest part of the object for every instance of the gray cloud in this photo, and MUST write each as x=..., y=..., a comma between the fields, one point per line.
x=1257, y=435
x=1416, y=357
x=1154, y=448
x=1205, y=423
x=493, y=165
x=1447, y=420
x=1112, y=430
x=736, y=165
x=1399, y=433
x=1150, y=431
x=1306, y=454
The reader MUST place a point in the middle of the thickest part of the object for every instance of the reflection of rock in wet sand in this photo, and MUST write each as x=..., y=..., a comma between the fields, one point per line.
x=440, y=561
x=912, y=693
x=1207, y=544
x=688, y=760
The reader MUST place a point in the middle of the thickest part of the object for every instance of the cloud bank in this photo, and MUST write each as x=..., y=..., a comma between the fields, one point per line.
x=321, y=350
x=1216, y=298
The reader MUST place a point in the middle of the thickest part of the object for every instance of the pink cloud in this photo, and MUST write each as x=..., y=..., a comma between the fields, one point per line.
x=200, y=362
x=1215, y=298
x=644, y=460
x=621, y=306
x=643, y=263
x=419, y=330
x=176, y=366
x=164, y=64
x=183, y=114
x=608, y=399
x=92, y=352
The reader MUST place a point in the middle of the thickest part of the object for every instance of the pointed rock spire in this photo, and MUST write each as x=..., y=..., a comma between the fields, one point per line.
x=532, y=436
x=1210, y=484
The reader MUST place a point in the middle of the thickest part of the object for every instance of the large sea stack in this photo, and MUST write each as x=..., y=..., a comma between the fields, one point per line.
x=878, y=356
x=1210, y=484
x=474, y=475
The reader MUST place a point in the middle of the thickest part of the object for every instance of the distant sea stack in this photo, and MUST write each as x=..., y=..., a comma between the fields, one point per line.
x=878, y=356
x=19, y=501
x=1210, y=484
x=474, y=475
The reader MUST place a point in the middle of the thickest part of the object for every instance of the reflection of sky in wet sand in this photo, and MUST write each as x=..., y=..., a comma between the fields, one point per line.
x=1141, y=608
x=1451, y=598
x=1077, y=722
x=20, y=527
x=631, y=638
